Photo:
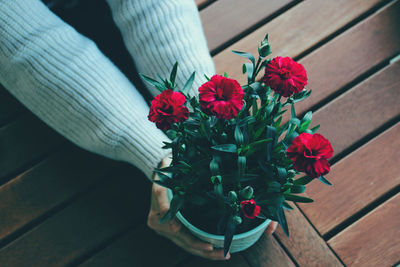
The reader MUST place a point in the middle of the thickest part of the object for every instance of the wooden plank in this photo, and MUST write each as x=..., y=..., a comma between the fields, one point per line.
x=351, y=54
x=47, y=185
x=294, y=32
x=372, y=103
x=9, y=107
x=236, y=260
x=137, y=248
x=201, y=3
x=225, y=19
x=374, y=239
x=304, y=243
x=355, y=183
x=23, y=141
x=116, y=204
x=267, y=252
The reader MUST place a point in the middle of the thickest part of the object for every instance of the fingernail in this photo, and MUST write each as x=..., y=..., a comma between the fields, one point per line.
x=210, y=248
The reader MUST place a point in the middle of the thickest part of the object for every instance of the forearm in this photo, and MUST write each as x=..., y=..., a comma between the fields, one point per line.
x=157, y=33
x=63, y=78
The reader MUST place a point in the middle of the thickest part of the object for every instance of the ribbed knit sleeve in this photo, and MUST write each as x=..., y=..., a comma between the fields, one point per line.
x=157, y=33
x=63, y=78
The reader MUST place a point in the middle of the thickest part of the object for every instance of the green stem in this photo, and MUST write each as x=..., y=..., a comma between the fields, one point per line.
x=256, y=69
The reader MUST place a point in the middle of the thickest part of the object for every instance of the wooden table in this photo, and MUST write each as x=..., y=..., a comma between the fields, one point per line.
x=60, y=205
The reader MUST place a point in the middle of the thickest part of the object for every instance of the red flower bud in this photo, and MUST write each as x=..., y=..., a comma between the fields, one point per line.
x=167, y=108
x=285, y=76
x=222, y=97
x=310, y=154
x=250, y=209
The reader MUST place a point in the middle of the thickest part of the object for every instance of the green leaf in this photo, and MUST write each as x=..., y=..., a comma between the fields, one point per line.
x=282, y=173
x=307, y=117
x=303, y=180
x=323, y=180
x=238, y=135
x=271, y=133
x=287, y=206
x=282, y=220
x=230, y=148
x=304, y=126
x=314, y=129
x=297, y=189
x=161, y=87
x=225, y=75
x=295, y=121
x=293, y=112
x=176, y=204
x=173, y=73
x=188, y=85
x=244, y=69
x=214, y=166
x=296, y=198
x=241, y=166
x=229, y=232
x=245, y=55
x=249, y=70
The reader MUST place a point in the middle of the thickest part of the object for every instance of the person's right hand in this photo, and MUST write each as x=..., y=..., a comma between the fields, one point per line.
x=174, y=230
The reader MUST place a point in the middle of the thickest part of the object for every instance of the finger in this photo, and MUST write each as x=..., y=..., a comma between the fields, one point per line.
x=193, y=242
x=161, y=199
x=271, y=228
x=217, y=254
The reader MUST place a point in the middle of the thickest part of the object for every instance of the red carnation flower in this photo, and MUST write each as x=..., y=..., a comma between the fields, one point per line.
x=167, y=108
x=250, y=209
x=285, y=76
x=222, y=97
x=310, y=154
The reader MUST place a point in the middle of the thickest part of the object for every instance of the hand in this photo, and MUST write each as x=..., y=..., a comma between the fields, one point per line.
x=173, y=229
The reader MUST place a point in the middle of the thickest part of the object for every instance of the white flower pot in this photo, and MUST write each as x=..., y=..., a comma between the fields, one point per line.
x=240, y=241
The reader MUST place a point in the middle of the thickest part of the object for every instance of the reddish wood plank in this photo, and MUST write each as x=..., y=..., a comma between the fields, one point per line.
x=80, y=228
x=236, y=260
x=374, y=239
x=362, y=109
x=304, y=243
x=9, y=107
x=137, y=248
x=267, y=252
x=294, y=31
x=356, y=184
x=47, y=185
x=225, y=19
x=23, y=141
x=351, y=54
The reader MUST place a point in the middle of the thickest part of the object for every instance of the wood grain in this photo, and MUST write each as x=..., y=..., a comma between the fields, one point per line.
x=136, y=248
x=236, y=260
x=374, y=239
x=358, y=179
x=361, y=110
x=47, y=185
x=267, y=252
x=304, y=244
x=295, y=31
x=84, y=225
x=10, y=108
x=225, y=19
x=23, y=141
x=351, y=54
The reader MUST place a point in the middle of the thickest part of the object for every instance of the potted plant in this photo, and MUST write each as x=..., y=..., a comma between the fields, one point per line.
x=235, y=159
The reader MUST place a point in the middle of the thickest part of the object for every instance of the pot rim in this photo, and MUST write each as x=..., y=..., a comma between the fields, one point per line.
x=213, y=236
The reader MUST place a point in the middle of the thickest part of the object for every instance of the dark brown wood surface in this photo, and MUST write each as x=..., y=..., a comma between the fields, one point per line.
x=48, y=185
x=242, y=16
x=353, y=191
x=62, y=206
x=23, y=142
x=374, y=239
x=294, y=31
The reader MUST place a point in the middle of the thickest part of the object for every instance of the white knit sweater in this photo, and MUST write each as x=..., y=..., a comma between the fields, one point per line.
x=64, y=79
